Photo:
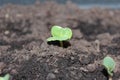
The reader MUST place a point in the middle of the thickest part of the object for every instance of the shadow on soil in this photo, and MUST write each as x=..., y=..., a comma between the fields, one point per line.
x=66, y=44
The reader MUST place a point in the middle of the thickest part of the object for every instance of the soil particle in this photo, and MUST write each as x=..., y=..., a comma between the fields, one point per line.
x=105, y=38
x=50, y=76
x=86, y=60
x=2, y=66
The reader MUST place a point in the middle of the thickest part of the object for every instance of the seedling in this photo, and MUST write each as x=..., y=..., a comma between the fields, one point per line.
x=109, y=65
x=60, y=34
x=6, y=77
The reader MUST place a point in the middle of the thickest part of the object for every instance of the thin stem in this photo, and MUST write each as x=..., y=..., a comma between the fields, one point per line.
x=110, y=78
x=61, y=43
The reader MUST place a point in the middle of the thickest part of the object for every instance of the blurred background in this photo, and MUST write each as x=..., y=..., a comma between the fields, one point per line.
x=81, y=3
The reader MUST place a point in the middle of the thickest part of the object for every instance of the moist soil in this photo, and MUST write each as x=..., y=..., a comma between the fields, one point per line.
x=26, y=55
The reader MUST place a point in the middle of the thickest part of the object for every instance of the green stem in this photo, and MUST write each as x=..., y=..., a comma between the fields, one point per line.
x=110, y=78
x=61, y=43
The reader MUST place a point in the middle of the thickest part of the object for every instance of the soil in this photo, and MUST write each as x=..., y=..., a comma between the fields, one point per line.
x=26, y=55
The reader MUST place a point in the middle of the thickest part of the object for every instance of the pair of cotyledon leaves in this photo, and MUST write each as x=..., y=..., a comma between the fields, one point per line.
x=60, y=34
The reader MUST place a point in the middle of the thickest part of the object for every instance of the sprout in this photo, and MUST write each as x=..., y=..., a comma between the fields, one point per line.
x=109, y=65
x=6, y=77
x=60, y=34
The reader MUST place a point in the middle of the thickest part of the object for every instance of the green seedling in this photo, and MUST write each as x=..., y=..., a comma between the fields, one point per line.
x=60, y=34
x=109, y=65
x=6, y=77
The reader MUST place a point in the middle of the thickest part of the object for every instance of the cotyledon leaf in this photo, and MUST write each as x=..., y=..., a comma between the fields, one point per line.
x=59, y=33
x=109, y=64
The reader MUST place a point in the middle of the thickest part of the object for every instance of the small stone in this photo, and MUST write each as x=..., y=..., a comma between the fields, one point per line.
x=7, y=32
x=56, y=71
x=51, y=76
x=19, y=15
x=7, y=15
x=91, y=67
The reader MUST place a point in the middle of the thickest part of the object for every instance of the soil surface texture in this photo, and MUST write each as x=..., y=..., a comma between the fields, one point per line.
x=26, y=55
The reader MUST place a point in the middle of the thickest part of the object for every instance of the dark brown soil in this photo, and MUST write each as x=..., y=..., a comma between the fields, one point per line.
x=26, y=55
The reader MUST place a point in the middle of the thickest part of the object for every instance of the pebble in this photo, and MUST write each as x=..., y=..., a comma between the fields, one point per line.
x=91, y=67
x=7, y=32
x=50, y=76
